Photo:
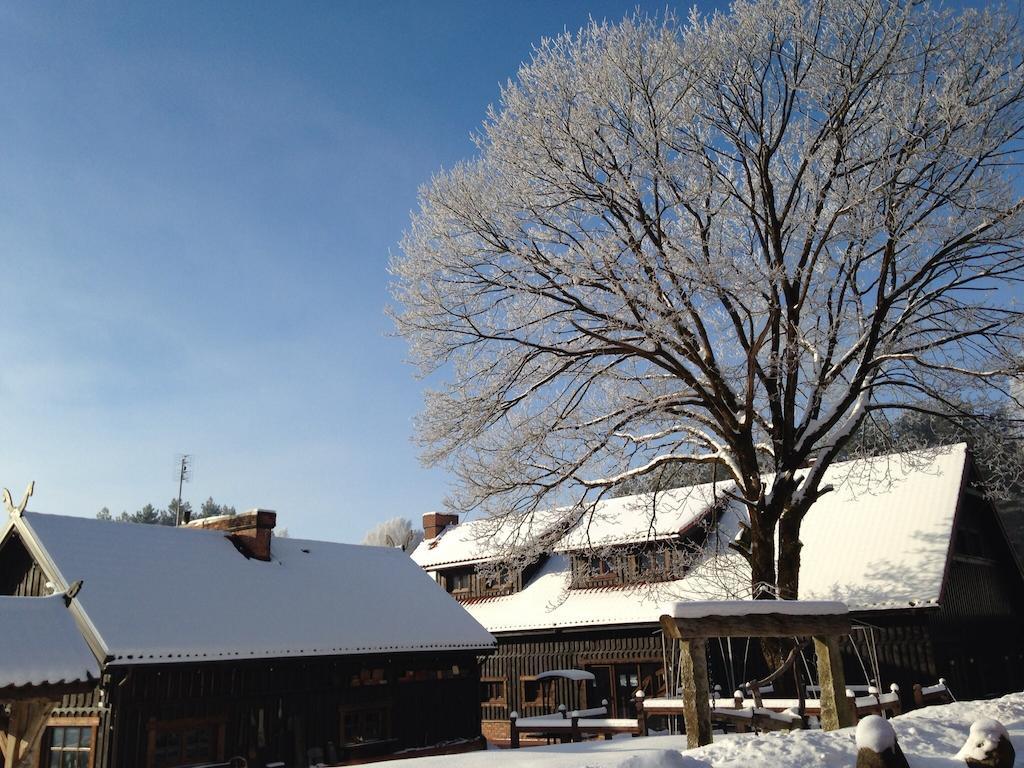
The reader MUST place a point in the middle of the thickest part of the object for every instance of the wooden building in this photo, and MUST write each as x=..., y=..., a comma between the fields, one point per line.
x=219, y=640
x=907, y=542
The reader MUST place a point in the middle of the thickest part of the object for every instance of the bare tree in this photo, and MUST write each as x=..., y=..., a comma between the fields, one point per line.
x=396, y=532
x=724, y=242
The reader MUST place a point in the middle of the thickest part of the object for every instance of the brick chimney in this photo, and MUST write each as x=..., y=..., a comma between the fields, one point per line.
x=435, y=522
x=249, y=531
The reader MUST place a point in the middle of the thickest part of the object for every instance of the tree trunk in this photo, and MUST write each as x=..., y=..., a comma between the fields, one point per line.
x=789, y=557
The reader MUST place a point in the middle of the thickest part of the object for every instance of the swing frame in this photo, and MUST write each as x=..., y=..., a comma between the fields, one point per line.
x=825, y=623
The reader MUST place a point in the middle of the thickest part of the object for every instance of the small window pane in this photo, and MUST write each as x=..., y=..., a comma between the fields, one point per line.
x=86, y=738
x=57, y=738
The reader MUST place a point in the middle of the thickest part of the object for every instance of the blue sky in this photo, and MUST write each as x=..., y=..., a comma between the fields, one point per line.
x=197, y=205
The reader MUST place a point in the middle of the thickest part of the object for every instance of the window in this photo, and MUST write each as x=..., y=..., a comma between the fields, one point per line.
x=499, y=580
x=531, y=692
x=601, y=568
x=652, y=565
x=365, y=726
x=492, y=692
x=182, y=742
x=459, y=581
x=68, y=743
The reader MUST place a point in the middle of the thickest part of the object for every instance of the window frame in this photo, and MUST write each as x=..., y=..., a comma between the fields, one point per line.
x=92, y=723
x=460, y=573
x=500, y=702
x=216, y=723
x=539, y=701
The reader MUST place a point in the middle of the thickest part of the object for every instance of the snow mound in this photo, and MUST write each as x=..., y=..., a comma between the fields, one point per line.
x=929, y=738
x=875, y=733
x=983, y=739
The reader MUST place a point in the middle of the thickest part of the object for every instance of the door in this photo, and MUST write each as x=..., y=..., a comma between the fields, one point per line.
x=603, y=688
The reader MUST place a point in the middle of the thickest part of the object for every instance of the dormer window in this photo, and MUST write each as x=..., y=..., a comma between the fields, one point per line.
x=602, y=568
x=651, y=564
x=499, y=580
x=459, y=581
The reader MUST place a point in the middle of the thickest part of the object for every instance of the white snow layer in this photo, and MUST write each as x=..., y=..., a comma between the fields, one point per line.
x=568, y=674
x=879, y=540
x=875, y=733
x=928, y=737
x=40, y=644
x=181, y=594
x=702, y=609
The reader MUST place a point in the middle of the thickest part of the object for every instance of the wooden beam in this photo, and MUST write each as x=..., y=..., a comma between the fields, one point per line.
x=836, y=711
x=24, y=731
x=54, y=692
x=696, y=691
x=756, y=625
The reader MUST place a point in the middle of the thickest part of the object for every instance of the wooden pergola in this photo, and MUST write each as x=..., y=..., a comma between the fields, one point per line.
x=692, y=624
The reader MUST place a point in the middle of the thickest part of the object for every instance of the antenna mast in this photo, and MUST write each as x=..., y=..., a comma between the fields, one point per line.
x=184, y=475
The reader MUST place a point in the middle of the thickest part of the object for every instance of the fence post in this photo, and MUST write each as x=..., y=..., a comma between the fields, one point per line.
x=575, y=728
x=513, y=731
x=641, y=713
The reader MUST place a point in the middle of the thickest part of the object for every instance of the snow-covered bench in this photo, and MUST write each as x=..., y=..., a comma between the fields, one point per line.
x=572, y=727
x=927, y=695
x=741, y=719
x=773, y=713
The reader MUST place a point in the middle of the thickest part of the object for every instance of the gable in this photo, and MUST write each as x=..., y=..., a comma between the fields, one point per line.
x=20, y=574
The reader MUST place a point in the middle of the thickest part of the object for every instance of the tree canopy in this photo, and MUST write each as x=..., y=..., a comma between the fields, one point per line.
x=151, y=515
x=726, y=241
x=396, y=532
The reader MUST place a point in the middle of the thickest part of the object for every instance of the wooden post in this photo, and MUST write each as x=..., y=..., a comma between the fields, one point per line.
x=575, y=728
x=696, y=709
x=836, y=711
x=24, y=733
x=641, y=713
x=513, y=732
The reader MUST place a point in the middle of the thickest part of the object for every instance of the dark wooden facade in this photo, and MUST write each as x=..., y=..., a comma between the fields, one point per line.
x=350, y=708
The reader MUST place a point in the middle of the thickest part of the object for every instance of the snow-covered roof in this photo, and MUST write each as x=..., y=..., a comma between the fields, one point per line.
x=643, y=517
x=162, y=594
x=476, y=541
x=879, y=540
x=41, y=645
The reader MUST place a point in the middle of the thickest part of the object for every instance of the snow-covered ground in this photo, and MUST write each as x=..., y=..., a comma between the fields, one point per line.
x=930, y=738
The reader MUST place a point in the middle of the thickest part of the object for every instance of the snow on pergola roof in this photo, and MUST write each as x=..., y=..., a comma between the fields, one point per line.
x=879, y=540
x=566, y=674
x=41, y=645
x=161, y=594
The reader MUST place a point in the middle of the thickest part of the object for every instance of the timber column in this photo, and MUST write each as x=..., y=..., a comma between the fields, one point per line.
x=696, y=692
x=836, y=711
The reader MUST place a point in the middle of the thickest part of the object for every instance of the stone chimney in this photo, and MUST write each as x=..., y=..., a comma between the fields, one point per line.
x=249, y=531
x=435, y=522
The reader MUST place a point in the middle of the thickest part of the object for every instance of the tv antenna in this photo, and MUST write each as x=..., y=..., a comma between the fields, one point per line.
x=184, y=475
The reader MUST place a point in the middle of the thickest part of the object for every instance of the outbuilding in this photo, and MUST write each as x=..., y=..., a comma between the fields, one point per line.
x=158, y=647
